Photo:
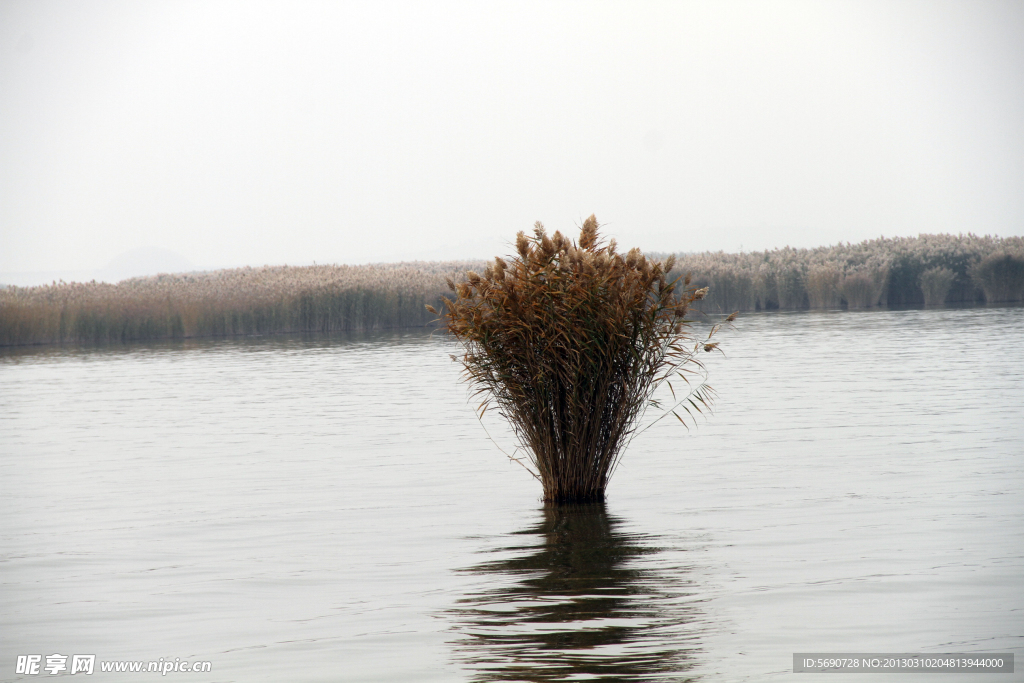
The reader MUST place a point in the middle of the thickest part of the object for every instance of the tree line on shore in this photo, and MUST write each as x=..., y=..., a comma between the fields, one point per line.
x=928, y=270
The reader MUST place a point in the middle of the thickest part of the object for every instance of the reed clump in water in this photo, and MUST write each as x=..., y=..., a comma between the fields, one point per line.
x=569, y=341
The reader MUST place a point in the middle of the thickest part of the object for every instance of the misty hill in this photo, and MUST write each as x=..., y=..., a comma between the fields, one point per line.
x=145, y=261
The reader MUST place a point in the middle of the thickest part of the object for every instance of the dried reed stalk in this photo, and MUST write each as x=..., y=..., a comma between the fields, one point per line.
x=1001, y=276
x=569, y=341
x=935, y=284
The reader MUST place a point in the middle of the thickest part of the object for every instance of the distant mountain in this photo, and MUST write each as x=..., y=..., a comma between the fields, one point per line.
x=134, y=263
x=145, y=261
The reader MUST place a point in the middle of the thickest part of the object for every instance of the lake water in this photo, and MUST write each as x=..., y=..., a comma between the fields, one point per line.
x=331, y=510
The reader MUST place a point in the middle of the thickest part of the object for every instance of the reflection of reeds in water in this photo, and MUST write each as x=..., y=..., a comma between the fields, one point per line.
x=580, y=604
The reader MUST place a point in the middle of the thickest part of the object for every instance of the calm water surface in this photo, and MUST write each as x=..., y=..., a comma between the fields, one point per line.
x=331, y=510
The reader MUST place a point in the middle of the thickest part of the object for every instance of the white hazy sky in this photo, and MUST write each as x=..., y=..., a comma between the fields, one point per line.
x=250, y=132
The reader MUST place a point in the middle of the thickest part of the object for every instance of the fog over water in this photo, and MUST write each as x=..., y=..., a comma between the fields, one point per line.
x=234, y=133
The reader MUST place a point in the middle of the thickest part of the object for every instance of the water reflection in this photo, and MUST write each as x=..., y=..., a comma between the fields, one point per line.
x=278, y=343
x=579, y=599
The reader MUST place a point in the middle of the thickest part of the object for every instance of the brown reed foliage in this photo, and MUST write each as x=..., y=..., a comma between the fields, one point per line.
x=569, y=341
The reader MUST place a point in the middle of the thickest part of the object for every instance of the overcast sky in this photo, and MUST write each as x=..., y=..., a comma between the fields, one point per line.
x=241, y=133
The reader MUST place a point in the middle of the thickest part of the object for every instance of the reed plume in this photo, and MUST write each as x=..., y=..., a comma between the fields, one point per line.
x=569, y=341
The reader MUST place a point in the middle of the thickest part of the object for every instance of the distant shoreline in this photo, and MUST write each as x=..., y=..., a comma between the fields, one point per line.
x=923, y=271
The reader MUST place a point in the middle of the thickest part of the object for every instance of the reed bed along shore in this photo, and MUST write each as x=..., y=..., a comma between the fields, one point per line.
x=928, y=270
x=242, y=301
